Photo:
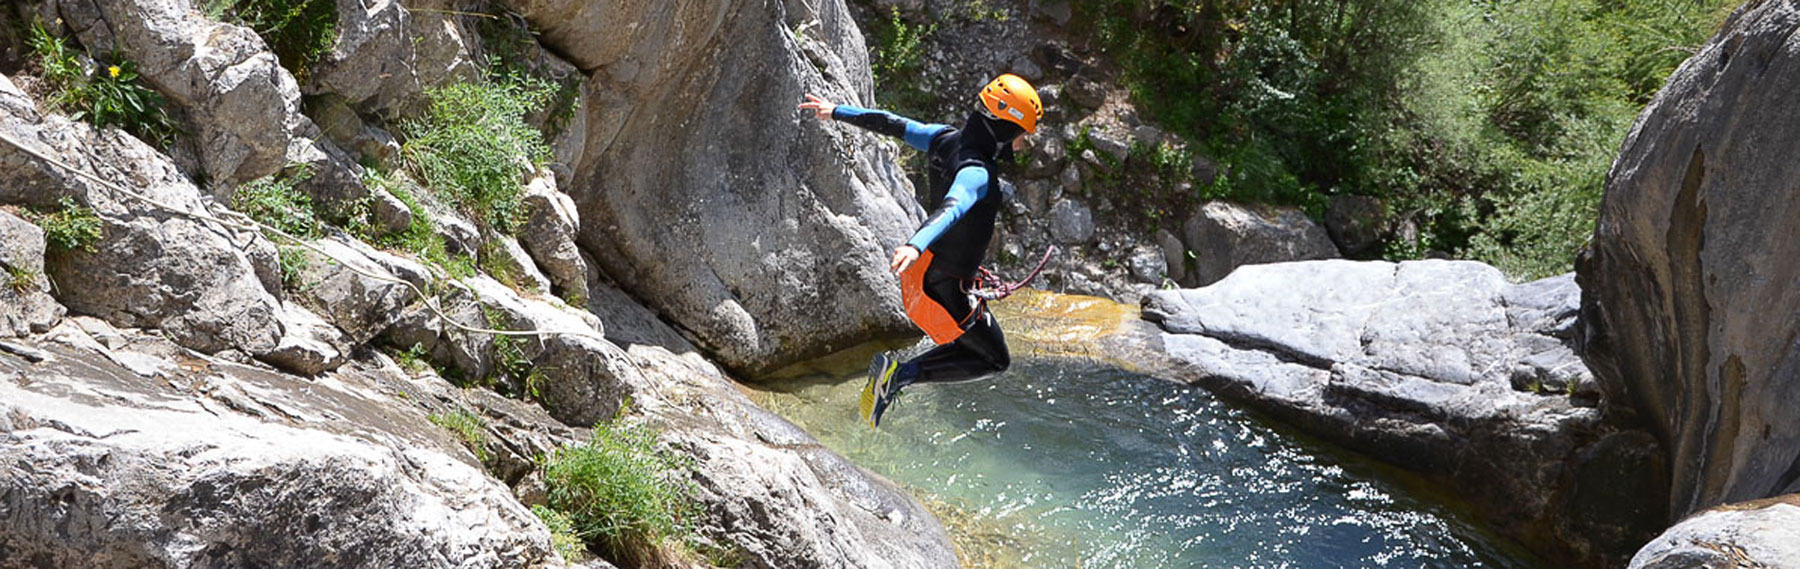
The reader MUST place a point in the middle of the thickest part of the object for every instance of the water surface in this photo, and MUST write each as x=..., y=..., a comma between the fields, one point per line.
x=1058, y=464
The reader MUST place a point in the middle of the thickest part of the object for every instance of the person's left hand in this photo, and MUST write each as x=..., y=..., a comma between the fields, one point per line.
x=904, y=256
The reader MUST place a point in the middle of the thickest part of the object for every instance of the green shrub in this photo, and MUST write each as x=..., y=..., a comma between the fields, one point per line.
x=474, y=146
x=104, y=93
x=897, y=60
x=1489, y=125
x=562, y=533
x=300, y=32
x=69, y=227
x=468, y=427
x=626, y=496
x=275, y=200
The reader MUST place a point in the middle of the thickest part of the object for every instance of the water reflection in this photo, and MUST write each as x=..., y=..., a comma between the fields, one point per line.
x=1057, y=466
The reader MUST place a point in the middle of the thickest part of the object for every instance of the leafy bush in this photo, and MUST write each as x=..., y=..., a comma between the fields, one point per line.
x=69, y=227
x=300, y=32
x=275, y=200
x=1489, y=125
x=102, y=93
x=897, y=60
x=625, y=495
x=474, y=145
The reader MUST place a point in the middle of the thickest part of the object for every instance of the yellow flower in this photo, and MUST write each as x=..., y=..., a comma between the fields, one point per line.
x=113, y=70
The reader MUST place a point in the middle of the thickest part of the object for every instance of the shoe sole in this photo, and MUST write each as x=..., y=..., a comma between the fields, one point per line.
x=881, y=370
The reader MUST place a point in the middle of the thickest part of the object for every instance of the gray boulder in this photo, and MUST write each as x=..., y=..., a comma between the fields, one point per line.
x=1691, y=282
x=707, y=195
x=26, y=306
x=356, y=289
x=176, y=461
x=1437, y=366
x=1355, y=224
x=1225, y=236
x=153, y=267
x=1071, y=222
x=1763, y=533
x=549, y=236
x=242, y=109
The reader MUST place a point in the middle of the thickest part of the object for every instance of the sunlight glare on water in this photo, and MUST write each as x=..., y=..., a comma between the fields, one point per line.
x=1057, y=466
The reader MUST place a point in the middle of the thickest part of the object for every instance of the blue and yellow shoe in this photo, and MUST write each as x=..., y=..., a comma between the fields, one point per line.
x=881, y=389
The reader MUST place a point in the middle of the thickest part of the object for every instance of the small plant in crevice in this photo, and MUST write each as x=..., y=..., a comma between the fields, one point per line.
x=294, y=261
x=897, y=60
x=69, y=226
x=300, y=32
x=563, y=538
x=276, y=201
x=468, y=427
x=628, y=498
x=21, y=279
x=106, y=92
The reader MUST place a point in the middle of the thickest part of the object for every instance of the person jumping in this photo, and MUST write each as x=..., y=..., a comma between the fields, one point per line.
x=938, y=266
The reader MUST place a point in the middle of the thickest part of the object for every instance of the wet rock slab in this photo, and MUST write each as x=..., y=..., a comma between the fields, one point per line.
x=1441, y=367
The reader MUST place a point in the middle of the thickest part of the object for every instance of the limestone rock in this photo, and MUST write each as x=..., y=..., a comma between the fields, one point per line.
x=1763, y=533
x=26, y=306
x=309, y=345
x=1225, y=236
x=1691, y=281
x=356, y=289
x=241, y=107
x=152, y=267
x=227, y=465
x=767, y=249
x=1419, y=364
x=549, y=236
x=1071, y=222
x=1148, y=264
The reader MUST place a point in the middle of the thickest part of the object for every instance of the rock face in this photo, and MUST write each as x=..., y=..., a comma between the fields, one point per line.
x=1764, y=533
x=26, y=306
x=144, y=457
x=1225, y=236
x=1440, y=367
x=705, y=193
x=1692, y=279
x=242, y=108
x=154, y=268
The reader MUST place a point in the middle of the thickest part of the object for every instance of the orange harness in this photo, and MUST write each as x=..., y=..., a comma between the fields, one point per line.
x=927, y=313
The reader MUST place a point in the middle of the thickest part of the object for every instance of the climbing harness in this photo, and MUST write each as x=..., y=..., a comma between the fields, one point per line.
x=989, y=286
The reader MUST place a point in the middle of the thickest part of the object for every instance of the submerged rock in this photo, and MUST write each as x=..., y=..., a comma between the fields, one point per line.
x=1440, y=367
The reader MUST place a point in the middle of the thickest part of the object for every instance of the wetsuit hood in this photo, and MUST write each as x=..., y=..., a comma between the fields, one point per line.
x=991, y=138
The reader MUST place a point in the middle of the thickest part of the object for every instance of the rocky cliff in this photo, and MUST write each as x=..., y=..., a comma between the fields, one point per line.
x=187, y=390
x=1690, y=287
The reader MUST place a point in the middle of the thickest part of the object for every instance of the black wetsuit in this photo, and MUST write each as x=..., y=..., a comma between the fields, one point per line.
x=964, y=204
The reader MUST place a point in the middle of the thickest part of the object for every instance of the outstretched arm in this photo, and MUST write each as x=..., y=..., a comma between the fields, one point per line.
x=970, y=186
x=917, y=134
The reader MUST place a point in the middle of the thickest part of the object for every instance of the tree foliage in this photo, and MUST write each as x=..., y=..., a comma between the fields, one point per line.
x=1489, y=124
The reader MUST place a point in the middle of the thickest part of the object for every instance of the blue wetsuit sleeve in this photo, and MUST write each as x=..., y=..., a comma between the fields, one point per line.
x=970, y=186
x=916, y=134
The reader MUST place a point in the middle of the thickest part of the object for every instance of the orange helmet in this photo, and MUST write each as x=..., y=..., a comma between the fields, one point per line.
x=1010, y=98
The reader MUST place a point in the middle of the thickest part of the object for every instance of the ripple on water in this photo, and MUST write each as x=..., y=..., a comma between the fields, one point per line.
x=1062, y=465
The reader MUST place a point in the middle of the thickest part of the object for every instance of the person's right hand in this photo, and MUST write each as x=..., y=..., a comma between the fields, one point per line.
x=904, y=256
x=819, y=106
